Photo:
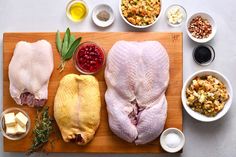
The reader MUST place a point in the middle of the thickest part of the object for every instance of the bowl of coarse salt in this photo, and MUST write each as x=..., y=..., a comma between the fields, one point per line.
x=172, y=140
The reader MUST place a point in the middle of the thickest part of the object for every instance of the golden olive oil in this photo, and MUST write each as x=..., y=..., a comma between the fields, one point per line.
x=77, y=11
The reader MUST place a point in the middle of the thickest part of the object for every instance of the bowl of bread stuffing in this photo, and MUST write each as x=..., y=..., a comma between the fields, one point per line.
x=140, y=13
x=207, y=95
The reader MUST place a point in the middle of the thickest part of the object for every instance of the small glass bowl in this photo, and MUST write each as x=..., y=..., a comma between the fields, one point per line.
x=75, y=58
x=69, y=5
x=183, y=11
x=3, y=127
x=212, y=51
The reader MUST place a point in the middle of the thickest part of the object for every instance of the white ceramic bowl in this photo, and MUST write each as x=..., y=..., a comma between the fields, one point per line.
x=211, y=21
x=136, y=26
x=164, y=144
x=99, y=8
x=197, y=115
x=182, y=10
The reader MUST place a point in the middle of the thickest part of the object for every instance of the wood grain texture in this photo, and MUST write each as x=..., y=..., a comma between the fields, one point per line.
x=105, y=141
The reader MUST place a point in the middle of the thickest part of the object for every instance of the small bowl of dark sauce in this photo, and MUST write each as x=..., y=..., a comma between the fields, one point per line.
x=204, y=54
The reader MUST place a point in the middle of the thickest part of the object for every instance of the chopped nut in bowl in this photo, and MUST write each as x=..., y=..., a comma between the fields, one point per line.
x=207, y=95
x=201, y=27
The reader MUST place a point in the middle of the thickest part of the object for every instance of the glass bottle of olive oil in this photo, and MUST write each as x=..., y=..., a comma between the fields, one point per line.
x=76, y=10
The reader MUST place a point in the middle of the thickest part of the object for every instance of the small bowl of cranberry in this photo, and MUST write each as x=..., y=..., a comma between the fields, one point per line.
x=89, y=58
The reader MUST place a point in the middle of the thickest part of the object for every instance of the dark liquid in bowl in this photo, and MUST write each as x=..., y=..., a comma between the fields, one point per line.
x=203, y=54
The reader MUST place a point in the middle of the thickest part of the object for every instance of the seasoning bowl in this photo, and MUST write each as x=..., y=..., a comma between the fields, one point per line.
x=69, y=10
x=98, y=9
x=3, y=127
x=89, y=58
x=137, y=26
x=177, y=133
x=211, y=21
x=201, y=57
x=181, y=9
x=199, y=116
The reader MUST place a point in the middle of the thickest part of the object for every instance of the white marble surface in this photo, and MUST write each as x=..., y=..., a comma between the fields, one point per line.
x=202, y=139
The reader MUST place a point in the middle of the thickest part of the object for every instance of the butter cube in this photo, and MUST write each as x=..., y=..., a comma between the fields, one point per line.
x=11, y=130
x=10, y=119
x=20, y=129
x=21, y=119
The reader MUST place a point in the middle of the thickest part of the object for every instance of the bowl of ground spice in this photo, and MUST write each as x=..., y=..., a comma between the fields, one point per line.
x=103, y=15
x=201, y=27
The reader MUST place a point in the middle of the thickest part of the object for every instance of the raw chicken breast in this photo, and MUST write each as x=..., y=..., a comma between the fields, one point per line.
x=77, y=108
x=137, y=76
x=29, y=72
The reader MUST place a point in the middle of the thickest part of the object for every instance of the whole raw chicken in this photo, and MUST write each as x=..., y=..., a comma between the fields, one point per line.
x=77, y=108
x=137, y=76
x=29, y=72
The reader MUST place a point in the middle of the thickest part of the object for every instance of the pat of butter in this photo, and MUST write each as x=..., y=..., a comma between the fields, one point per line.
x=21, y=119
x=10, y=119
x=20, y=129
x=11, y=130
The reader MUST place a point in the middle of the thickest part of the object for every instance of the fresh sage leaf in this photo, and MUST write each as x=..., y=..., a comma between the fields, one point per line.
x=66, y=47
x=72, y=39
x=65, y=44
x=58, y=41
x=72, y=49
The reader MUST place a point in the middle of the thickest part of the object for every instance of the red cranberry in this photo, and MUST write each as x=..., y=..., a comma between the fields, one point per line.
x=89, y=57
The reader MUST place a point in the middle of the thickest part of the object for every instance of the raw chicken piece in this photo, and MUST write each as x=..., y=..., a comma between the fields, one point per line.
x=137, y=76
x=29, y=72
x=77, y=108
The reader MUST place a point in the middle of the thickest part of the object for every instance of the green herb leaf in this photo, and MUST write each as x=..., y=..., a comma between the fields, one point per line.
x=58, y=42
x=72, y=39
x=65, y=44
x=67, y=47
x=72, y=49
x=42, y=130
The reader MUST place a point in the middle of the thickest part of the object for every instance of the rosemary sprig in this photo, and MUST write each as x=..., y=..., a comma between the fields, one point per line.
x=42, y=130
x=66, y=47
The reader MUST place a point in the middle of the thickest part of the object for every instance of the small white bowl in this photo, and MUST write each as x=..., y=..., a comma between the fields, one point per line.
x=164, y=144
x=3, y=127
x=211, y=21
x=199, y=116
x=182, y=10
x=136, y=26
x=99, y=8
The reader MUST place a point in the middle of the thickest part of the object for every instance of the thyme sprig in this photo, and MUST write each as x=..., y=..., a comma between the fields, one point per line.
x=42, y=130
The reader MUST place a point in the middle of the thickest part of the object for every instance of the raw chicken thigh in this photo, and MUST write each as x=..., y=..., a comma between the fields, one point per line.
x=137, y=76
x=29, y=72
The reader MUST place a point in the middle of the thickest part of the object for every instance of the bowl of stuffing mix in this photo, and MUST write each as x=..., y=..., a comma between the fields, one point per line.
x=207, y=95
x=140, y=13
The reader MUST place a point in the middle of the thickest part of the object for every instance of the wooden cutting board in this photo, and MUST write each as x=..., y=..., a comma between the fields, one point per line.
x=105, y=141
